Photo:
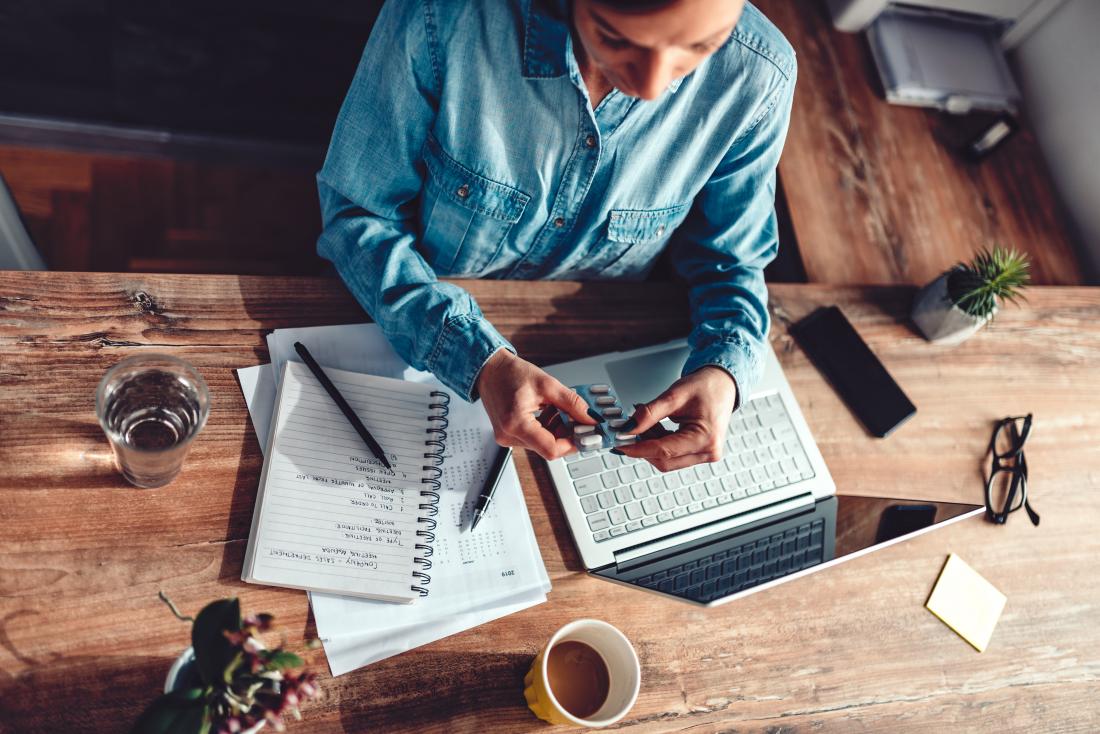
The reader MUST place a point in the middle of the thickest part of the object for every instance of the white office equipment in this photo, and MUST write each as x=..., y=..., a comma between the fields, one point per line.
x=621, y=510
x=952, y=63
x=1017, y=17
x=17, y=251
x=768, y=512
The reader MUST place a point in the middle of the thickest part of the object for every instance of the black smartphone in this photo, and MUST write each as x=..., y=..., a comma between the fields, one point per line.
x=899, y=520
x=854, y=370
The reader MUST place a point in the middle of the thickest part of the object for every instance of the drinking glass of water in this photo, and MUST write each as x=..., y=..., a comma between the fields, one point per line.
x=151, y=407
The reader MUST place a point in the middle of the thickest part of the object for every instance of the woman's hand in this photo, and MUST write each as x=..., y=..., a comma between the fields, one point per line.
x=513, y=391
x=702, y=404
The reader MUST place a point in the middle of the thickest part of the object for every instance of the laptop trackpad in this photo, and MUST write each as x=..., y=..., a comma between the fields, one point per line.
x=642, y=378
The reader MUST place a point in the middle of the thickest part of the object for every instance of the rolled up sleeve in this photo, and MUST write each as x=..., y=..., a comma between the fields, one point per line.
x=728, y=238
x=368, y=188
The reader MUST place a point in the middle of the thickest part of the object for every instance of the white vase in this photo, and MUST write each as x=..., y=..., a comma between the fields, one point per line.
x=940, y=320
x=185, y=662
x=184, y=667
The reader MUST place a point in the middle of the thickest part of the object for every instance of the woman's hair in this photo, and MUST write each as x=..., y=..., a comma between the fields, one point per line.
x=640, y=6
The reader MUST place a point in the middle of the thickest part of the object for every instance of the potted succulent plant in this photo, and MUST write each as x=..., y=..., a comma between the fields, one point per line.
x=228, y=681
x=955, y=305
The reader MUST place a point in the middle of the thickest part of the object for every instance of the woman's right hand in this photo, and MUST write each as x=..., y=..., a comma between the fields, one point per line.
x=513, y=392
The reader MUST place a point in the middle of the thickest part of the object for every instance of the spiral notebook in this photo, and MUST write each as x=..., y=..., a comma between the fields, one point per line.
x=329, y=516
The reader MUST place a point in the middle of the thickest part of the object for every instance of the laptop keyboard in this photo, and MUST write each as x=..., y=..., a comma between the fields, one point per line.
x=751, y=564
x=620, y=495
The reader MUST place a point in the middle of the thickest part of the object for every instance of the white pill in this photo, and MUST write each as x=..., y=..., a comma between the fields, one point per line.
x=605, y=400
x=599, y=389
x=579, y=430
x=625, y=438
x=612, y=412
x=616, y=423
x=590, y=439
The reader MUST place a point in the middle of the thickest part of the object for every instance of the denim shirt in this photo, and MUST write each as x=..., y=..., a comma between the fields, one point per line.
x=467, y=146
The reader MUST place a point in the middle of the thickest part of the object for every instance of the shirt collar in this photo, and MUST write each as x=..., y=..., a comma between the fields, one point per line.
x=545, y=41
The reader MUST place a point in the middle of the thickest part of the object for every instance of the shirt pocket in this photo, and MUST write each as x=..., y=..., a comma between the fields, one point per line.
x=465, y=217
x=634, y=239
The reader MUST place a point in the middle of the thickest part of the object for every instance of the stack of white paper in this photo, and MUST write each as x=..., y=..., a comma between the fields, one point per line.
x=476, y=577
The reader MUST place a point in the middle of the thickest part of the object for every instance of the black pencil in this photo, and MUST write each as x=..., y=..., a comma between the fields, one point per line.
x=342, y=404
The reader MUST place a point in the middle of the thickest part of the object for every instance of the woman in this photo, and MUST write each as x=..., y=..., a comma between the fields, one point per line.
x=571, y=140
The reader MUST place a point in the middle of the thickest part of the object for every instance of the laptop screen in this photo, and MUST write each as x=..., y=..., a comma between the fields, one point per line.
x=736, y=562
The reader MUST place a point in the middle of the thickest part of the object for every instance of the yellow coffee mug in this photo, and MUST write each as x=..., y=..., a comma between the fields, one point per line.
x=624, y=674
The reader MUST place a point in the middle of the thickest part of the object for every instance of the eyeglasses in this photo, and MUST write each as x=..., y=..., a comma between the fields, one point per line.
x=1008, y=474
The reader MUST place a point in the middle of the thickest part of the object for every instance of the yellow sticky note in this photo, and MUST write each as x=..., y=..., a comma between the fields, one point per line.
x=966, y=602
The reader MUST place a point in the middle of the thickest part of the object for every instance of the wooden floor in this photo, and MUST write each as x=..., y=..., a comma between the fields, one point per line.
x=875, y=194
x=870, y=192
x=126, y=213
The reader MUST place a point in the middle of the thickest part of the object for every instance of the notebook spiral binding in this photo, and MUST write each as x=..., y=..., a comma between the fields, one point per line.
x=435, y=444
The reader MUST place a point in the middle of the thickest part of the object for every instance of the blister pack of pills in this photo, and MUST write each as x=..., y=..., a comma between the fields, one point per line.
x=601, y=399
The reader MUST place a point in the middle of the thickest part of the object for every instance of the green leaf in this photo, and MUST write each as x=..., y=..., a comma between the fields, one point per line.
x=214, y=653
x=230, y=670
x=178, y=712
x=993, y=276
x=281, y=659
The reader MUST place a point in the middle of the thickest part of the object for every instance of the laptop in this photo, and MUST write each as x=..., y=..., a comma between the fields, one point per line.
x=768, y=512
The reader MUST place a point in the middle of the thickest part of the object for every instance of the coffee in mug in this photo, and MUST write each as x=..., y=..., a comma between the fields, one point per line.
x=587, y=675
x=578, y=677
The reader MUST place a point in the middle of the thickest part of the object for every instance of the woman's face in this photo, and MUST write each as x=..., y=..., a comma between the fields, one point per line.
x=641, y=53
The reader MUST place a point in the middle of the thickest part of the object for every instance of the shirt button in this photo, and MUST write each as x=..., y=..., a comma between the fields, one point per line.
x=559, y=222
x=463, y=191
x=590, y=141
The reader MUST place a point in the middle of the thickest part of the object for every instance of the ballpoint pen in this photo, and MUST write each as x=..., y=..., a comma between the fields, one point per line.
x=491, y=482
x=342, y=404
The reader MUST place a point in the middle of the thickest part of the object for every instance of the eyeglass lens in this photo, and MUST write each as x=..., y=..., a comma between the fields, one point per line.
x=1000, y=487
x=1010, y=436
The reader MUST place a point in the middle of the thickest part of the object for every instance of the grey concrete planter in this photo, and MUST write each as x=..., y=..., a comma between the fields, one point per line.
x=941, y=321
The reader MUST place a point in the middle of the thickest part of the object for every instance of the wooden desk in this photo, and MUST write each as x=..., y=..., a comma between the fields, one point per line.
x=85, y=644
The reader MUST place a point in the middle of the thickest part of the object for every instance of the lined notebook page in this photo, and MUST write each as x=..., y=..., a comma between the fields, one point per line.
x=329, y=516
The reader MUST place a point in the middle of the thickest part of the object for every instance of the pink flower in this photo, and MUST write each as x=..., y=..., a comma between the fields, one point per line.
x=275, y=720
x=232, y=725
x=308, y=686
x=235, y=638
x=261, y=622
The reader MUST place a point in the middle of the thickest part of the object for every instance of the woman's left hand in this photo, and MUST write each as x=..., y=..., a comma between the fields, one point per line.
x=701, y=403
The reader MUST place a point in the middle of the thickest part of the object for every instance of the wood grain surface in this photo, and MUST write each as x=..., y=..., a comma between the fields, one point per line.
x=112, y=212
x=875, y=191
x=85, y=644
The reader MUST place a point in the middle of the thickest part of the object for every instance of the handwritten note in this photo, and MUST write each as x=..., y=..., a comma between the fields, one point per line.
x=329, y=516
